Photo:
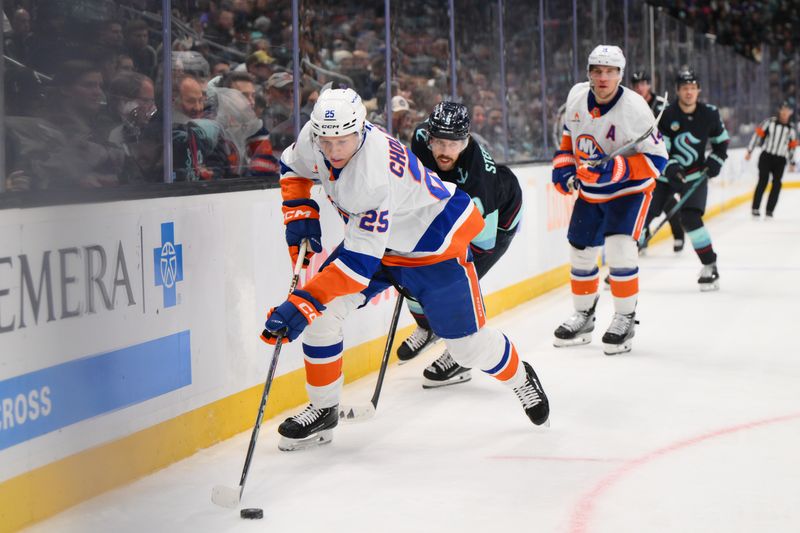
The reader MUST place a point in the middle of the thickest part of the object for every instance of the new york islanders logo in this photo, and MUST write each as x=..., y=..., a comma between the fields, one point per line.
x=587, y=148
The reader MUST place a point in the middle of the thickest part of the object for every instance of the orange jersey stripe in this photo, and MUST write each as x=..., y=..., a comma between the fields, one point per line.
x=331, y=283
x=475, y=290
x=640, y=167
x=324, y=374
x=624, y=289
x=566, y=142
x=296, y=188
x=512, y=366
x=458, y=244
x=583, y=287
x=637, y=229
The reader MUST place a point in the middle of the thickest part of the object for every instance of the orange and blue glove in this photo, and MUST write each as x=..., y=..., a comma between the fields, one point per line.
x=291, y=317
x=301, y=218
x=614, y=170
x=564, y=171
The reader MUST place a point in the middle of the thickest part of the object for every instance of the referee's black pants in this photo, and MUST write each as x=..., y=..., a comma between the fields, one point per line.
x=769, y=164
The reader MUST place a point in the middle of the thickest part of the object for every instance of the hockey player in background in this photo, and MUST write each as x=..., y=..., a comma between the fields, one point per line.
x=687, y=125
x=613, y=195
x=640, y=82
x=777, y=138
x=402, y=225
x=444, y=144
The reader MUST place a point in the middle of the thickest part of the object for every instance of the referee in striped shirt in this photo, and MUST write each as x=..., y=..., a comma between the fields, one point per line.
x=778, y=139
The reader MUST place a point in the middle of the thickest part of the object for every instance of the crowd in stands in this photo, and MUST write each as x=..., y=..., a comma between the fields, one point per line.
x=84, y=80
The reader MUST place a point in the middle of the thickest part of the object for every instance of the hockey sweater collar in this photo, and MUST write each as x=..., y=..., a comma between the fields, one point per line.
x=598, y=110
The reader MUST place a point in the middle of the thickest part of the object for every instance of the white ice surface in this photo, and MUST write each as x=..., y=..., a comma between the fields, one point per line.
x=696, y=430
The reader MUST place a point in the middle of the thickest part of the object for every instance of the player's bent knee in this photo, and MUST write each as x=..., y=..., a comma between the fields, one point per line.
x=583, y=258
x=692, y=219
x=327, y=328
x=477, y=350
x=621, y=251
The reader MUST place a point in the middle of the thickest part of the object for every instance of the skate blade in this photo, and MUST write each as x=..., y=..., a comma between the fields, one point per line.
x=455, y=380
x=615, y=349
x=584, y=338
x=708, y=287
x=318, y=439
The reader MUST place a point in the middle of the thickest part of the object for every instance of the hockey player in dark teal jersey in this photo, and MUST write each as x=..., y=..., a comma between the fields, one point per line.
x=443, y=143
x=688, y=125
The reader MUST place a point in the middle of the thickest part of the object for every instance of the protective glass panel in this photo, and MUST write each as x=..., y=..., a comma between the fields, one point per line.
x=562, y=70
x=420, y=64
x=82, y=109
x=479, y=84
x=526, y=128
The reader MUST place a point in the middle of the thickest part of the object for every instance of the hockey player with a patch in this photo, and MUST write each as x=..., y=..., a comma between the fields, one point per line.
x=403, y=226
x=688, y=126
x=613, y=194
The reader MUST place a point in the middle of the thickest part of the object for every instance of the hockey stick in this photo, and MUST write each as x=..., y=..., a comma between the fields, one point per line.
x=228, y=496
x=359, y=413
x=677, y=207
x=631, y=144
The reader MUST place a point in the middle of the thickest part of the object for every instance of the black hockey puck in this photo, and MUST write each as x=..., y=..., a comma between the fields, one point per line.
x=253, y=513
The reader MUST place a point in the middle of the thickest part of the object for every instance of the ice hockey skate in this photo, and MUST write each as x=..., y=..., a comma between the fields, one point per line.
x=709, y=278
x=419, y=339
x=310, y=428
x=445, y=371
x=577, y=329
x=677, y=245
x=533, y=399
x=619, y=336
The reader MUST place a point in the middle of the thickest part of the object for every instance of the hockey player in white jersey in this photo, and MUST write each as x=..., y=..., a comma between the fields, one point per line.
x=403, y=226
x=613, y=194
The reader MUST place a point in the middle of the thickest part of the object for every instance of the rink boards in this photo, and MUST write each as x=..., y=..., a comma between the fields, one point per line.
x=129, y=330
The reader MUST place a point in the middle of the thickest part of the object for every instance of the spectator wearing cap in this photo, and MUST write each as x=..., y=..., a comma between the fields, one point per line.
x=260, y=65
x=280, y=111
x=402, y=120
x=280, y=101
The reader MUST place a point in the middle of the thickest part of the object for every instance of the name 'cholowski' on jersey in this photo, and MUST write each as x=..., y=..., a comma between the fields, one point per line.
x=396, y=211
x=593, y=130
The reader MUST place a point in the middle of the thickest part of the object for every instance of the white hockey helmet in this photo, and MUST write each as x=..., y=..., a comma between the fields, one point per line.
x=338, y=112
x=607, y=55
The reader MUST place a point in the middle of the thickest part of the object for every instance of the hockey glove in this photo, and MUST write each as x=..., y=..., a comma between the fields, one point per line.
x=564, y=172
x=675, y=174
x=612, y=171
x=301, y=217
x=713, y=166
x=291, y=317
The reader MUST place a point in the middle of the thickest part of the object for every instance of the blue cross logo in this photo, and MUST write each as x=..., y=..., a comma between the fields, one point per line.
x=168, y=264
